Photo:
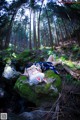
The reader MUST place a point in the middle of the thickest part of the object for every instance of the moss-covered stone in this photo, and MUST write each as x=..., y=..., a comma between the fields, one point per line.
x=24, y=89
x=39, y=93
x=57, y=82
x=24, y=54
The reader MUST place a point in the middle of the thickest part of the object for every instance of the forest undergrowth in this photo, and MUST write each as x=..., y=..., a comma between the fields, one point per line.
x=67, y=106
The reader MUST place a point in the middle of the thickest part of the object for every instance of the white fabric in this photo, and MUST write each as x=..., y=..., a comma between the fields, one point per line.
x=36, y=78
x=35, y=75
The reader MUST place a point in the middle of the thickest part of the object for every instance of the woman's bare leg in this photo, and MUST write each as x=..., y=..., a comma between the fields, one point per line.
x=50, y=59
x=25, y=73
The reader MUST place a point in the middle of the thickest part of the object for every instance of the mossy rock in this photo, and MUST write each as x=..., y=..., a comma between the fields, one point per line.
x=39, y=58
x=39, y=93
x=25, y=56
x=57, y=82
x=25, y=90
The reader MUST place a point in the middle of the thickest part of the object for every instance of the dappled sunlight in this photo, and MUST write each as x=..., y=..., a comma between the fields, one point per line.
x=77, y=64
x=69, y=63
x=73, y=65
x=14, y=55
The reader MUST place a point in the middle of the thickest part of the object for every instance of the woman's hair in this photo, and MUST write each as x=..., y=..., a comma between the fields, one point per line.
x=29, y=64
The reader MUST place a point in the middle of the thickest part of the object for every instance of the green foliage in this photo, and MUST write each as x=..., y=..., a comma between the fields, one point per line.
x=31, y=56
x=75, y=48
x=76, y=6
x=24, y=54
x=78, y=67
x=50, y=52
x=70, y=64
x=63, y=58
x=70, y=80
x=8, y=54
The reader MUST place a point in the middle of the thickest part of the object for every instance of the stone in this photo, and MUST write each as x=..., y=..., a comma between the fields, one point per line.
x=42, y=92
x=10, y=72
x=34, y=115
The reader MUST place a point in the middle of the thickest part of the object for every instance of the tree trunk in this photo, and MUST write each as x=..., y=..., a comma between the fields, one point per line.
x=39, y=30
x=71, y=72
x=77, y=32
x=50, y=34
x=34, y=30
x=1, y=47
x=56, y=31
x=39, y=26
x=60, y=31
x=57, y=40
x=9, y=32
x=15, y=42
x=30, y=45
x=66, y=29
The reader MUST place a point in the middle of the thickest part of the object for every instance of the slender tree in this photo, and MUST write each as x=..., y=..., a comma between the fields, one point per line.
x=50, y=33
x=9, y=31
x=30, y=44
x=39, y=25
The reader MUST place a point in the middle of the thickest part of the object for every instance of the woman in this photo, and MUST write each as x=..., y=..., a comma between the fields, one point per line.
x=35, y=71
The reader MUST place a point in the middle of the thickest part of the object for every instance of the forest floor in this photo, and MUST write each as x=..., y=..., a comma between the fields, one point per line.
x=69, y=54
x=67, y=106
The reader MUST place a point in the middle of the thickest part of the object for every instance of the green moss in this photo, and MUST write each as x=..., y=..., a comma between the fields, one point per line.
x=70, y=64
x=44, y=89
x=25, y=89
x=39, y=58
x=47, y=87
x=41, y=92
x=24, y=54
x=57, y=82
x=62, y=58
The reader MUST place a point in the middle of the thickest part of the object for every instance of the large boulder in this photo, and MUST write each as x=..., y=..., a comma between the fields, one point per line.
x=41, y=92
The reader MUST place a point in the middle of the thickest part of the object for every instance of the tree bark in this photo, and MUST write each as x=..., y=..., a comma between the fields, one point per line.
x=39, y=30
x=78, y=36
x=1, y=47
x=39, y=26
x=34, y=30
x=9, y=31
x=30, y=45
x=64, y=24
x=71, y=72
x=61, y=33
x=56, y=37
x=50, y=34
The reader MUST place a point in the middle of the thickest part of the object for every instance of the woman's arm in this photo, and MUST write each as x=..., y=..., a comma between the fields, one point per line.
x=25, y=73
